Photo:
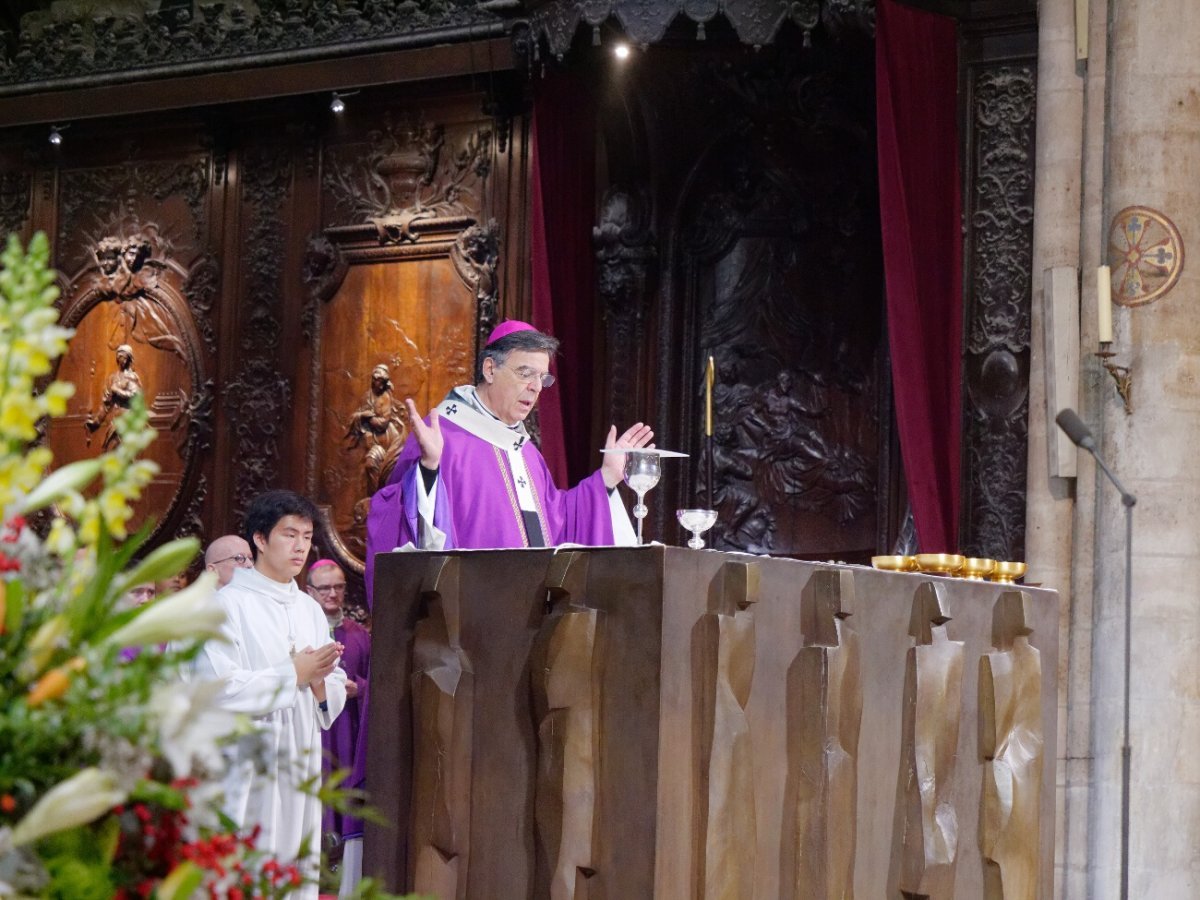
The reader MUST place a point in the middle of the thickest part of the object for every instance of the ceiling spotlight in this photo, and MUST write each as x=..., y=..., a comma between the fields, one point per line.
x=621, y=51
x=337, y=103
x=56, y=131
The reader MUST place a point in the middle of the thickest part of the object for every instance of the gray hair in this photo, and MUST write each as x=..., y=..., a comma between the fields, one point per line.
x=528, y=341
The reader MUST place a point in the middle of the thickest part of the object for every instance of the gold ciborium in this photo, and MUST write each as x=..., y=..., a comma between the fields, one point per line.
x=939, y=563
x=894, y=563
x=1008, y=572
x=975, y=568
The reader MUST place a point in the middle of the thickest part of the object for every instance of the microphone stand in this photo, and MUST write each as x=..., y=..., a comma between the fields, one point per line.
x=1081, y=437
x=1128, y=500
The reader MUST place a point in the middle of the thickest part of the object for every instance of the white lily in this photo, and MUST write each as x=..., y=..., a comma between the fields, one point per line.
x=194, y=612
x=191, y=725
x=82, y=798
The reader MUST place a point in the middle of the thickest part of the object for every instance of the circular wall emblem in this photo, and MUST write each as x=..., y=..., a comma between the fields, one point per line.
x=1145, y=253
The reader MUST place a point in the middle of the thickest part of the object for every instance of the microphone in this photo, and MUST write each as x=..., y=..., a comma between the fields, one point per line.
x=1080, y=434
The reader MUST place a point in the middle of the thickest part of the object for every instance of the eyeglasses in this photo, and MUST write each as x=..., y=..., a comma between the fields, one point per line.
x=329, y=588
x=240, y=560
x=528, y=375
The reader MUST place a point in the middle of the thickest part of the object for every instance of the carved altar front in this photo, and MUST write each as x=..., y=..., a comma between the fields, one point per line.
x=659, y=722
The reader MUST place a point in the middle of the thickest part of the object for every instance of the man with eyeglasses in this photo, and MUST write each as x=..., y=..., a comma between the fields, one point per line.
x=345, y=742
x=469, y=476
x=227, y=554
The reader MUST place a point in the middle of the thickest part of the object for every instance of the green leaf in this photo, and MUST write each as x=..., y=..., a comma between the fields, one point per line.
x=62, y=481
x=184, y=879
x=14, y=598
x=161, y=564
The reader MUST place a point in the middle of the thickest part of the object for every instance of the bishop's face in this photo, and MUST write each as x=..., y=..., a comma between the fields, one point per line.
x=511, y=390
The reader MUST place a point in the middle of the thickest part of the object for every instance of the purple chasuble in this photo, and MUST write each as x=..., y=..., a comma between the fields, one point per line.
x=476, y=503
x=342, y=743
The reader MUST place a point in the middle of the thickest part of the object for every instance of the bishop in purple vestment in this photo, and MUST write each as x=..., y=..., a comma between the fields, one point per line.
x=469, y=476
x=343, y=744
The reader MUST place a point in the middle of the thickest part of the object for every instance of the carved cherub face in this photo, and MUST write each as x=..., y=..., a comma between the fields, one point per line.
x=135, y=253
x=108, y=256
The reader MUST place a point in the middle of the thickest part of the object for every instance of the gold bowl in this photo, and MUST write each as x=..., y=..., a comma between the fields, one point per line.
x=939, y=563
x=1008, y=572
x=975, y=568
x=895, y=563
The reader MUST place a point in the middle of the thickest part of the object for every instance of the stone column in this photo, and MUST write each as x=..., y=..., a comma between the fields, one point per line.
x=1056, y=242
x=1153, y=151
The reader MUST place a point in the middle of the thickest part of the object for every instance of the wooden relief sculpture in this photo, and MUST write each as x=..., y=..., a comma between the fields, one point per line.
x=1011, y=743
x=443, y=693
x=379, y=429
x=925, y=846
x=135, y=337
x=565, y=680
x=723, y=650
x=120, y=388
x=824, y=714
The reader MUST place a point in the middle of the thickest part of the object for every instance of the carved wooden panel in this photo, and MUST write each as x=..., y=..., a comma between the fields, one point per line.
x=257, y=399
x=402, y=283
x=824, y=719
x=1012, y=744
x=443, y=692
x=135, y=336
x=926, y=835
x=776, y=274
x=998, y=210
x=723, y=651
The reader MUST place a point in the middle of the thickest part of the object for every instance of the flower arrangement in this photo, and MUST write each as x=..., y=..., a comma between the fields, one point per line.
x=108, y=759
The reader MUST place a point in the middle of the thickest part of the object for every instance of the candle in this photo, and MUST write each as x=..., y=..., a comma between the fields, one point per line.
x=1104, y=303
x=709, y=378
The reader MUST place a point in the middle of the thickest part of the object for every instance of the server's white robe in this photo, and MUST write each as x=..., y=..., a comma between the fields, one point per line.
x=267, y=621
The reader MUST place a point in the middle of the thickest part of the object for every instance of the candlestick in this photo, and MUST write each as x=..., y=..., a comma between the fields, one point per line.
x=1104, y=304
x=709, y=377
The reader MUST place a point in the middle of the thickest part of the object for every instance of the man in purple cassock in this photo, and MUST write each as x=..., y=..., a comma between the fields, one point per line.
x=469, y=476
x=344, y=745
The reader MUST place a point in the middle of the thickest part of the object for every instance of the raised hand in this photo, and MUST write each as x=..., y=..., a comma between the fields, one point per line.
x=613, y=469
x=429, y=437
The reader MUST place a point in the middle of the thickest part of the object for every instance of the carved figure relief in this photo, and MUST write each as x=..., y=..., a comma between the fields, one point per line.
x=723, y=648
x=625, y=255
x=565, y=677
x=135, y=336
x=119, y=390
x=378, y=428
x=824, y=717
x=410, y=176
x=475, y=254
x=1012, y=745
x=443, y=684
x=780, y=272
x=925, y=836
x=127, y=273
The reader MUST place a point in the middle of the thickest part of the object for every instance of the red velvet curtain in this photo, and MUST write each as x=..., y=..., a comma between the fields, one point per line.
x=916, y=74
x=562, y=215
